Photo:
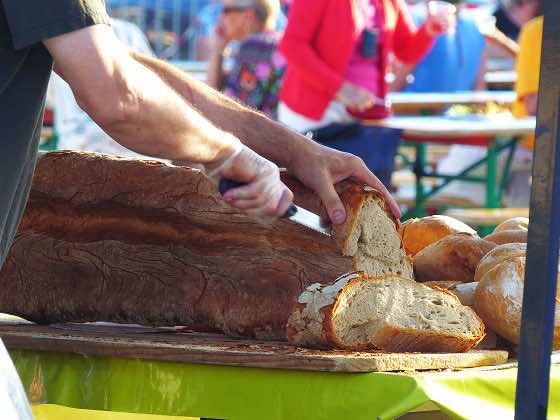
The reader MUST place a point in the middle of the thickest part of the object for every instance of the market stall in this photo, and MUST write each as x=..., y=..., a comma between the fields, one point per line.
x=161, y=372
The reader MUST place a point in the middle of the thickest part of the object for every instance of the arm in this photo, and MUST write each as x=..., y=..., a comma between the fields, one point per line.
x=410, y=45
x=528, y=66
x=215, y=74
x=135, y=107
x=318, y=167
x=480, y=82
x=401, y=71
x=130, y=102
x=500, y=41
x=296, y=45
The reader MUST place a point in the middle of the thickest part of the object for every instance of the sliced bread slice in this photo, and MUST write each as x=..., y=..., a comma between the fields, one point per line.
x=389, y=313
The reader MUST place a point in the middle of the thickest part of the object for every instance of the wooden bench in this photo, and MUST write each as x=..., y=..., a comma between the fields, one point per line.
x=486, y=217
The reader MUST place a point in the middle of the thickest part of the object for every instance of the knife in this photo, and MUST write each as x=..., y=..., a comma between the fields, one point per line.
x=294, y=213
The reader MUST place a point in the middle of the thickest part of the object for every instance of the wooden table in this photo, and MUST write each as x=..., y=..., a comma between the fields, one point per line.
x=501, y=79
x=167, y=371
x=432, y=102
x=496, y=133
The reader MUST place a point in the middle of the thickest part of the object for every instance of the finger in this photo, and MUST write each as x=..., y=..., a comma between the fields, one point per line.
x=246, y=205
x=331, y=201
x=247, y=192
x=285, y=202
x=272, y=207
x=362, y=173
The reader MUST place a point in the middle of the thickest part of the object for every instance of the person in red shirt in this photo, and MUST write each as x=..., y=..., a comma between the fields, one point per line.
x=337, y=53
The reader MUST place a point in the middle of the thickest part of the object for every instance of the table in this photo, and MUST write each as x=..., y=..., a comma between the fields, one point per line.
x=226, y=392
x=502, y=79
x=126, y=368
x=496, y=133
x=432, y=102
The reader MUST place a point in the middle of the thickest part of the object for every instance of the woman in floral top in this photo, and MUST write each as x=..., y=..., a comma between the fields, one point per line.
x=256, y=67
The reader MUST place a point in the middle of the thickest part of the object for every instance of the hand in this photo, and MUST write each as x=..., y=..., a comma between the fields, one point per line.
x=219, y=40
x=442, y=17
x=531, y=102
x=355, y=97
x=320, y=167
x=265, y=195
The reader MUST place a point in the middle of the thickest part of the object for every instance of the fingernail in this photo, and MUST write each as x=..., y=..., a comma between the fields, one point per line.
x=228, y=198
x=339, y=216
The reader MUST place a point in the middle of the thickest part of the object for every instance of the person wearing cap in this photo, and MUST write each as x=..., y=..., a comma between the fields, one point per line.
x=147, y=106
x=256, y=66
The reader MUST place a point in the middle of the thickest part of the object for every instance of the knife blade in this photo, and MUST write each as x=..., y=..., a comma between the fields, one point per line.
x=294, y=213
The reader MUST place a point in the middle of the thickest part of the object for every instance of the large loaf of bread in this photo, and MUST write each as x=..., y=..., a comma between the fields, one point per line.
x=108, y=239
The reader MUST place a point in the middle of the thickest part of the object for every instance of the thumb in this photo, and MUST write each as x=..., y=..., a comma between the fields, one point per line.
x=332, y=202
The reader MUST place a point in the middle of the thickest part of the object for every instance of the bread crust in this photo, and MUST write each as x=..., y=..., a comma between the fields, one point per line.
x=497, y=256
x=310, y=321
x=465, y=293
x=515, y=223
x=499, y=297
x=454, y=258
x=507, y=237
x=417, y=234
x=442, y=284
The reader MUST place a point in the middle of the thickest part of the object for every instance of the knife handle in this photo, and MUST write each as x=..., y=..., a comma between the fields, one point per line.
x=227, y=184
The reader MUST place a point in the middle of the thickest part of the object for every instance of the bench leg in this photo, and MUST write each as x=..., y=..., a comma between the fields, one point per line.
x=419, y=168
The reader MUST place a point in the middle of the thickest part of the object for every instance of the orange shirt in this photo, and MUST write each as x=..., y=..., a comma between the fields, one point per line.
x=528, y=68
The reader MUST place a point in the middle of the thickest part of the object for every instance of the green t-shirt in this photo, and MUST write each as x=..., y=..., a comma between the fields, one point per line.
x=25, y=67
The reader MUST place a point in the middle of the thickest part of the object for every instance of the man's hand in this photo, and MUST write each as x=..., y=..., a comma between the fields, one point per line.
x=265, y=194
x=320, y=167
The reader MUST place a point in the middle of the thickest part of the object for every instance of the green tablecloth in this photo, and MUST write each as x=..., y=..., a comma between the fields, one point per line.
x=182, y=389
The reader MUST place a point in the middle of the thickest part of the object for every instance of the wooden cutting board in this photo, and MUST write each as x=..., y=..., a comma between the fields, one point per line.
x=179, y=345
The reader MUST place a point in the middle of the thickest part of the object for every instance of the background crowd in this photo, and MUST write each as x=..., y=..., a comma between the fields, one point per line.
x=322, y=67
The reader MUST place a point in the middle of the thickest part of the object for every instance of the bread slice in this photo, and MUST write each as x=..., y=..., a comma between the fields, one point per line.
x=370, y=235
x=390, y=313
x=417, y=234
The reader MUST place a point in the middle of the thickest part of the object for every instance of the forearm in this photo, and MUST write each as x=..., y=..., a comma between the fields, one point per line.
x=501, y=41
x=215, y=73
x=130, y=102
x=258, y=132
x=153, y=120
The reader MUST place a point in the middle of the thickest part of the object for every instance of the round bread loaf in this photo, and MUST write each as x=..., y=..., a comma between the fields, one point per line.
x=507, y=236
x=465, y=292
x=417, y=234
x=454, y=257
x=497, y=255
x=515, y=223
x=442, y=284
x=499, y=297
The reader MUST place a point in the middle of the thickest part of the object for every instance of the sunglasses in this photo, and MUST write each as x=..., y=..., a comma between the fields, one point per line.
x=512, y=3
x=233, y=9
